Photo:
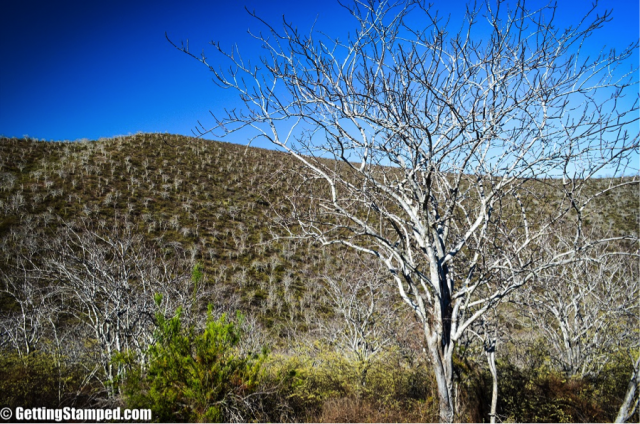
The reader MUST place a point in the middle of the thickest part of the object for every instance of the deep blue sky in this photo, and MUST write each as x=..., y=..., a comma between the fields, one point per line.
x=90, y=69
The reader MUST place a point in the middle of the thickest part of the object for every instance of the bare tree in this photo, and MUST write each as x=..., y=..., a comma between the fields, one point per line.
x=36, y=309
x=585, y=311
x=108, y=281
x=439, y=142
x=366, y=313
x=486, y=331
x=36, y=304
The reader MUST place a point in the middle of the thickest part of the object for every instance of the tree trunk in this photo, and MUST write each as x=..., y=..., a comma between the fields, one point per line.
x=491, y=358
x=629, y=406
x=442, y=363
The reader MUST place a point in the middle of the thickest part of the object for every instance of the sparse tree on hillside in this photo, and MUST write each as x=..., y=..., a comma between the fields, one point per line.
x=107, y=280
x=585, y=311
x=366, y=314
x=442, y=144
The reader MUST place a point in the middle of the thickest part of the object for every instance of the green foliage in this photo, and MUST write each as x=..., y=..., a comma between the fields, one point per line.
x=610, y=385
x=534, y=392
x=195, y=376
x=197, y=274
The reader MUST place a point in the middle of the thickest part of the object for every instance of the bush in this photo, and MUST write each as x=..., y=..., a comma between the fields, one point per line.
x=324, y=386
x=195, y=376
x=38, y=380
x=542, y=396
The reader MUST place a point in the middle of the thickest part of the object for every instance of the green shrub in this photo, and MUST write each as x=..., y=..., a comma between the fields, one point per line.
x=195, y=376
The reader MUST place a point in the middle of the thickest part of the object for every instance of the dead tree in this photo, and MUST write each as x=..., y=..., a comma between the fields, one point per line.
x=585, y=311
x=108, y=280
x=36, y=310
x=485, y=330
x=366, y=314
x=438, y=140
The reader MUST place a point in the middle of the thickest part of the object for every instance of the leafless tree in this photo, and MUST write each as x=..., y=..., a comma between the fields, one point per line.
x=108, y=281
x=36, y=310
x=439, y=139
x=487, y=332
x=585, y=311
x=366, y=314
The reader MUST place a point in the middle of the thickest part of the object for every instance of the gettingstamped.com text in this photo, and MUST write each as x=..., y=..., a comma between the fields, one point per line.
x=75, y=414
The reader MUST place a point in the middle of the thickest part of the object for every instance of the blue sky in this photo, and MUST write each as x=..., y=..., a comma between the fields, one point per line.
x=91, y=69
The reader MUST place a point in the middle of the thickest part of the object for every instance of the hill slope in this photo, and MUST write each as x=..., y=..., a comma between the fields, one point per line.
x=210, y=197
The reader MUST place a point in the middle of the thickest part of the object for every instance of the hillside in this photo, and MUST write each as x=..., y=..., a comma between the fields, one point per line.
x=218, y=205
x=210, y=197
x=216, y=199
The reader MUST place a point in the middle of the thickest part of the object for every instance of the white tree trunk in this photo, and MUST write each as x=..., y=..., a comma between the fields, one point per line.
x=491, y=358
x=442, y=363
x=629, y=406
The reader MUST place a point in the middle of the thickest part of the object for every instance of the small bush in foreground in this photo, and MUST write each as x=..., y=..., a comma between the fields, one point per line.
x=196, y=376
